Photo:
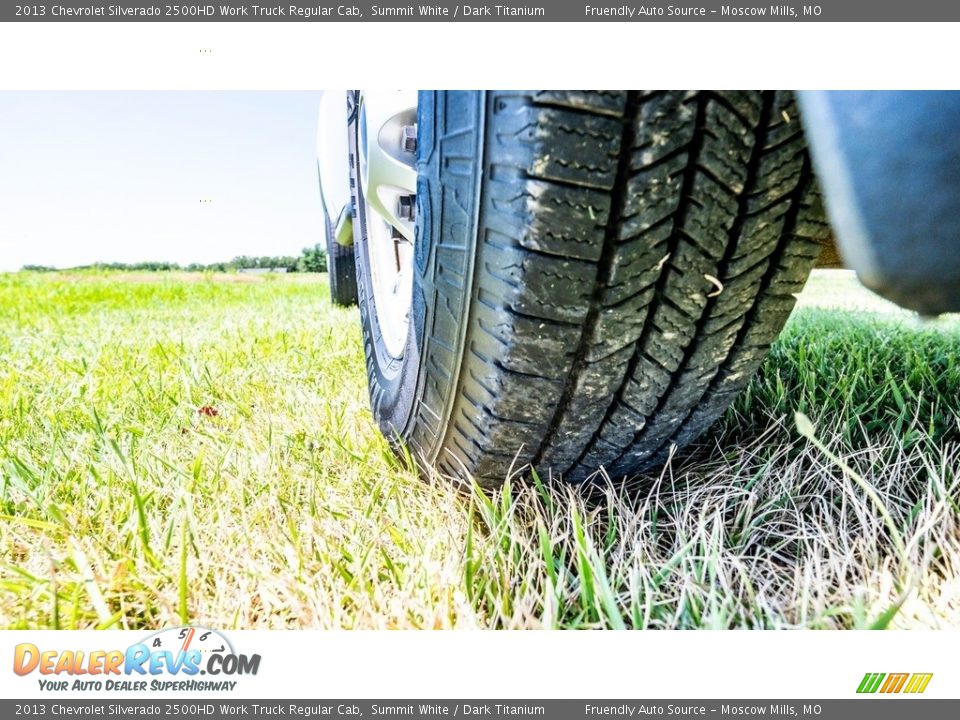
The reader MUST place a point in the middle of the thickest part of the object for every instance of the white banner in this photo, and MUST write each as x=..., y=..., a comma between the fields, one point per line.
x=561, y=665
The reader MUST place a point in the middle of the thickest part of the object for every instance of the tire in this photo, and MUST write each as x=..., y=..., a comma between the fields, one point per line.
x=597, y=274
x=341, y=270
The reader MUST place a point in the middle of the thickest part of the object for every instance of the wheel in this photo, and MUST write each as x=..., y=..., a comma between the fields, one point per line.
x=573, y=280
x=341, y=270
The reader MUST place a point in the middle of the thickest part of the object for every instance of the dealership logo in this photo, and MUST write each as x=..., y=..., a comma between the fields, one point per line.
x=167, y=660
x=912, y=683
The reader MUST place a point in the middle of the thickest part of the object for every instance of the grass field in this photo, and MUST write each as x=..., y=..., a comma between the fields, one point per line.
x=179, y=448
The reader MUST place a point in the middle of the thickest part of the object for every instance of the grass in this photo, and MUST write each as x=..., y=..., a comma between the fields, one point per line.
x=179, y=448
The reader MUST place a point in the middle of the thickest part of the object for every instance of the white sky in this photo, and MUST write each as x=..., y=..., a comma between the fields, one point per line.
x=119, y=176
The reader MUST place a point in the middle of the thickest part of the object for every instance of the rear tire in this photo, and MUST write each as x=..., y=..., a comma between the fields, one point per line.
x=597, y=274
x=341, y=270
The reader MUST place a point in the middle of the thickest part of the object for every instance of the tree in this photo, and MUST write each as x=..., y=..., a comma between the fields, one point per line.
x=313, y=259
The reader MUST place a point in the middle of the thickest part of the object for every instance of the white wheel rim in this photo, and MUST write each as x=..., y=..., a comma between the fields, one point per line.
x=388, y=179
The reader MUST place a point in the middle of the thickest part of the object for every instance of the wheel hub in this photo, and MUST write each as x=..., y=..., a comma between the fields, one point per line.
x=386, y=144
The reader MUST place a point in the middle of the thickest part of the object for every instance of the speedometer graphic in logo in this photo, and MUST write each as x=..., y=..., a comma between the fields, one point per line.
x=183, y=639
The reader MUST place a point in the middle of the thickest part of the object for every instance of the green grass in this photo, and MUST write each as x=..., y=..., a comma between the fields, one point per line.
x=180, y=448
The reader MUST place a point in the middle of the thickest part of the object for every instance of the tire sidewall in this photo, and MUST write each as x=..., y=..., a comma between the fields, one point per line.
x=392, y=380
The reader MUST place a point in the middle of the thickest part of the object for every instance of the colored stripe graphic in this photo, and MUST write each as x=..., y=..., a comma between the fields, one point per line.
x=894, y=683
x=870, y=682
x=918, y=682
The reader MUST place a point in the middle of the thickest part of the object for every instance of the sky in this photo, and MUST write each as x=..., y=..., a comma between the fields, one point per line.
x=177, y=176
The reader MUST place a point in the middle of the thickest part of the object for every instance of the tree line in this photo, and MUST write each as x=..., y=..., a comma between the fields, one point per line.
x=311, y=260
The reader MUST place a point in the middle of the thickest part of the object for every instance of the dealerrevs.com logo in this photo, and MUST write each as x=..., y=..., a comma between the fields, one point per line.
x=168, y=660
